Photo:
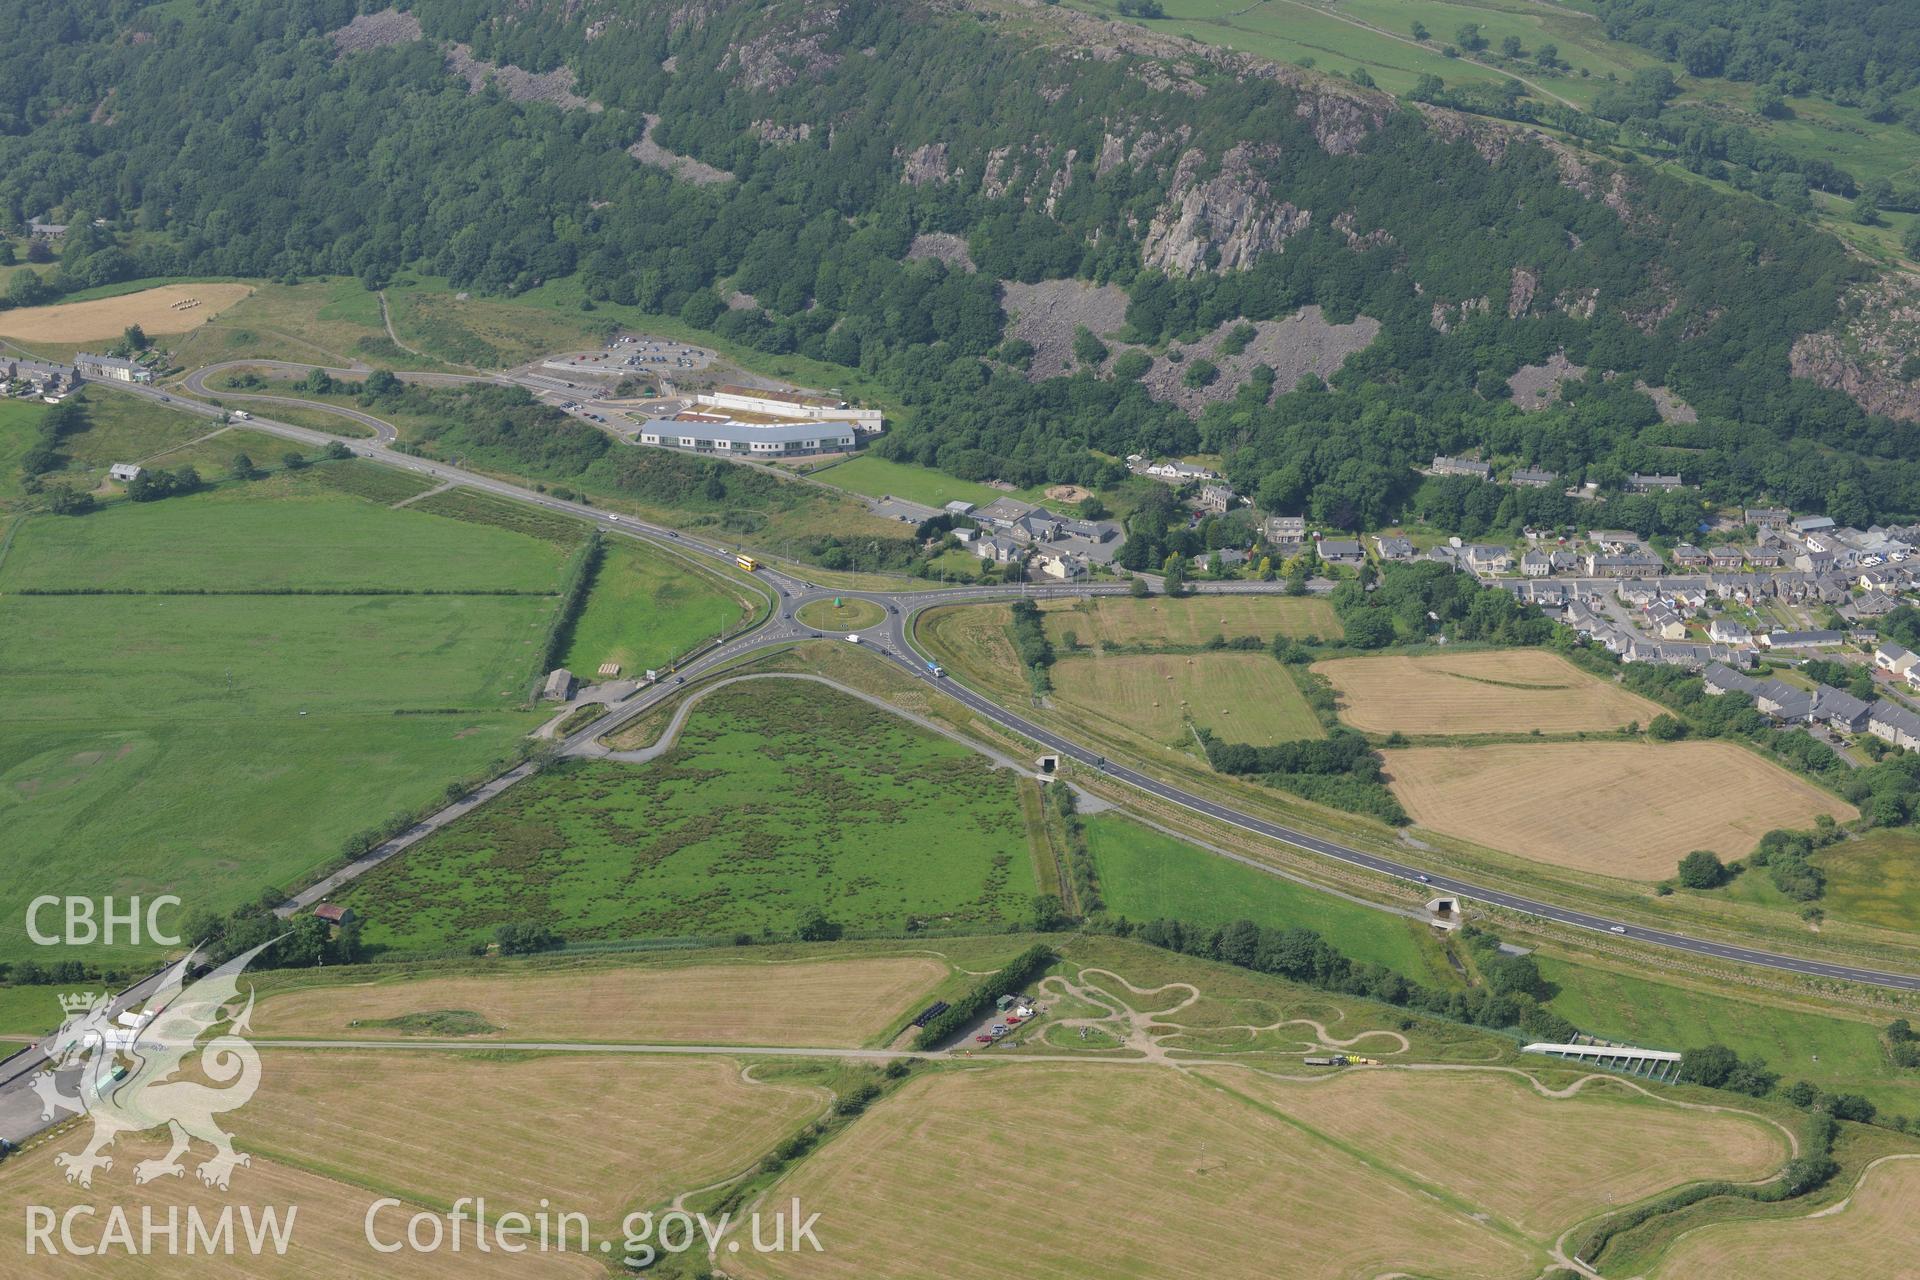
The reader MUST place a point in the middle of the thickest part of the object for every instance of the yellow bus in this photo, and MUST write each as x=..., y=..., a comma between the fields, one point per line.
x=746, y=562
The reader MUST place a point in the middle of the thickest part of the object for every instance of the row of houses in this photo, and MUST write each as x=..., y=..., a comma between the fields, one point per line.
x=1538, y=478
x=39, y=377
x=1790, y=704
x=1839, y=710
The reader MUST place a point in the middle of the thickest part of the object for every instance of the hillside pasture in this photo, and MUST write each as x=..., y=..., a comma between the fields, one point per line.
x=779, y=797
x=1872, y=1234
x=1490, y=691
x=159, y=311
x=1188, y=621
x=842, y=1002
x=1163, y=1175
x=360, y=1116
x=1242, y=697
x=1616, y=808
x=1561, y=1159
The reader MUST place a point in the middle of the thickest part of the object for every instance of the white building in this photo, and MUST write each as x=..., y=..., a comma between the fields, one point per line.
x=723, y=436
x=125, y=471
x=791, y=404
x=111, y=368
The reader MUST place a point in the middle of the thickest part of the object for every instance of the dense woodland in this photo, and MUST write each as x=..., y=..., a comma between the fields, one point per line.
x=230, y=137
x=1853, y=51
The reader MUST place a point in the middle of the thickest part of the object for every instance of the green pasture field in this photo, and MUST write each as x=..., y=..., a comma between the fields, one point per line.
x=880, y=477
x=19, y=428
x=1873, y=880
x=1145, y=874
x=213, y=807
x=645, y=609
x=280, y=533
x=474, y=507
x=121, y=428
x=369, y=480
x=211, y=745
x=1159, y=622
x=1242, y=697
x=129, y=658
x=1837, y=1054
x=781, y=797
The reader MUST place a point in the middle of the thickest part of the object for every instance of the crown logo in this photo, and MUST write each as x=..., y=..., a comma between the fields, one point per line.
x=77, y=1001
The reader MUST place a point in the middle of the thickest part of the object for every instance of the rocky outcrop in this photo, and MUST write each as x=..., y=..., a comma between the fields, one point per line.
x=1536, y=386
x=926, y=164
x=685, y=168
x=1446, y=315
x=787, y=54
x=1340, y=122
x=1526, y=283
x=1062, y=179
x=1578, y=303
x=376, y=31
x=781, y=135
x=941, y=246
x=1866, y=356
x=554, y=87
x=1223, y=223
x=1346, y=225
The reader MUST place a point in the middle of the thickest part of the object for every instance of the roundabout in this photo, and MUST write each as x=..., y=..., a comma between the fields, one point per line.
x=840, y=613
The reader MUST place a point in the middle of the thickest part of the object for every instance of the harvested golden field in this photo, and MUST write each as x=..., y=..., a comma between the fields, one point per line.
x=433, y=1125
x=1560, y=1160
x=1190, y=620
x=158, y=311
x=1099, y=1171
x=1874, y=1235
x=328, y=1237
x=1242, y=697
x=1494, y=691
x=827, y=1002
x=1630, y=809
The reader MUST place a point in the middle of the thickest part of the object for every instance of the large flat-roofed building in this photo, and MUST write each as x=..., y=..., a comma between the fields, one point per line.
x=705, y=433
x=790, y=404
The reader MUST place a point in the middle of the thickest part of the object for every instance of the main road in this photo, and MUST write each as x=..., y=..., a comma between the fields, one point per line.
x=892, y=638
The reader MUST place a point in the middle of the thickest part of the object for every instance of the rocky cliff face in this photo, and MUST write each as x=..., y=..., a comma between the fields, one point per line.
x=1866, y=354
x=1226, y=222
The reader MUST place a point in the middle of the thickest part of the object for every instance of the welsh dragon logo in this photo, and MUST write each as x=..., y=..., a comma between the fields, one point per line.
x=128, y=1073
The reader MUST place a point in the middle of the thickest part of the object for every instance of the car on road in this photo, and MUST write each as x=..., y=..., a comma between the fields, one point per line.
x=679, y=679
x=1617, y=929
x=1422, y=878
x=785, y=617
x=672, y=534
x=612, y=516
x=983, y=1039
